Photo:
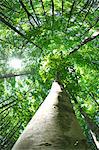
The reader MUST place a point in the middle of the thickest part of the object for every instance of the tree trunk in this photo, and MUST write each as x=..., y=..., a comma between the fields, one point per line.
x=54, y=126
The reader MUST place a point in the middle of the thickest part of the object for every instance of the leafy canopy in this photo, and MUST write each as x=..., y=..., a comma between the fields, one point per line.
x=54, y=39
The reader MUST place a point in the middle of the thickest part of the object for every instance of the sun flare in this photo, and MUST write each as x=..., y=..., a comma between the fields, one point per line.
x=15, y=63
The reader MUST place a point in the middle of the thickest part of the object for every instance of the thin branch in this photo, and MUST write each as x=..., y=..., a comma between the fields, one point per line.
x=6, y=17
x=34, y=11
x=97, y=19
x=92, y=96
x=88, y=29
x=6, y=2
x=9, y=143
x=3, y=101
x=2, y=118
x=12, y=27
x=88, y=3
x=52, y=7
x=85, y=6
x=5, y=105
x=9, y=134
x=10, y=8
x=70, y=14
x=43, y=7
x=5, y=125
x=81, y=10
x=85, y=41
x=12, y=75
x=52, y=10
x=87, y=12
x=1, y=8
x=28, y=13
x=7, y=108
x=17, y=31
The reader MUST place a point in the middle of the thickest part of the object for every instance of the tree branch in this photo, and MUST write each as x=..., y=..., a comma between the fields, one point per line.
x=93, y=97
x=6, y=17
x=43, y=7
x=85, y=41
x=17, y=31
x=70, y=14
x=7, y=108
x=5, y=105
x=52, y=6
x=3, y=101
x=34, y=11
x=12, y=75
x=11, y=135
x=4, y=116
x=28, y=13
x=8, y=135
x=52, y=9
x=85, y=6
x=81, y=10
x=10, y=8
x=97, y=19
x=87, y=12
x=12, y=27
x=3, y=124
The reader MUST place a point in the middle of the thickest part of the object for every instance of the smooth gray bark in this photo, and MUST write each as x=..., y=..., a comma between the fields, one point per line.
x=54, y=126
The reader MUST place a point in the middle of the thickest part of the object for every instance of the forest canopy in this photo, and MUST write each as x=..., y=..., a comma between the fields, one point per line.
x=42, y=41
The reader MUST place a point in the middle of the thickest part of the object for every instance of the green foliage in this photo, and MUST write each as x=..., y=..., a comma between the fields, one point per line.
x=44, y=46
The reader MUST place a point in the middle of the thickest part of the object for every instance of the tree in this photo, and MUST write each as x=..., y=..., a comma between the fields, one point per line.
x=53, y=39
x=54, y=126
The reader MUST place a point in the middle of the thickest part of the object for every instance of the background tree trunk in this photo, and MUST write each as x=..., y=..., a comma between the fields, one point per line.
x=54, y=126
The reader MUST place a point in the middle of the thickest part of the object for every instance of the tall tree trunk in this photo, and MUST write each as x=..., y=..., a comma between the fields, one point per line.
x=54, y=126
